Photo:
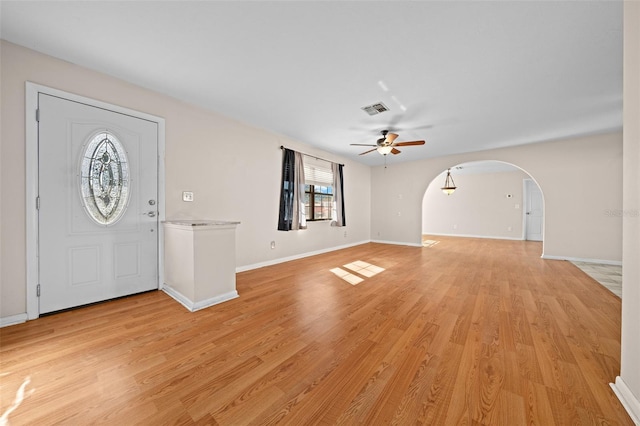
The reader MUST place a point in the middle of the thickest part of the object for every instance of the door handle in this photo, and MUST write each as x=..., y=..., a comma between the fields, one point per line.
x=151, y=213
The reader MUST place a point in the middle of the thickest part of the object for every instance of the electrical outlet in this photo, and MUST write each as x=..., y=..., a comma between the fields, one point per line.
x=187, y=196
x=509, y=228
x=455, y=226
x=273, y=245
x=345, y=234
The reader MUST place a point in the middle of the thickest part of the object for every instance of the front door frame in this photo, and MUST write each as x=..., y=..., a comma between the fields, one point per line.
x=32, y=91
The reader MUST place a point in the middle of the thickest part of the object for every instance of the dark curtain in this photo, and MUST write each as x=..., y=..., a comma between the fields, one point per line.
x=340, y=182
x=287, y=187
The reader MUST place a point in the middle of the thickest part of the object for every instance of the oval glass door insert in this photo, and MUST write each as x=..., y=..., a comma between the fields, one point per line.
x=104, y=179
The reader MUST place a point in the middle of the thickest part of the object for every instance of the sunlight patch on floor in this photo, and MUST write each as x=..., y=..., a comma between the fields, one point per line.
x=348, y=277
x=358, y=267
x=429, y=243
x=363, y=268
x=20, y=395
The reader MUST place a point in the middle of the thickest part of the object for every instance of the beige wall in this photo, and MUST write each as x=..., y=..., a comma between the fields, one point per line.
x=479, y=207
x=580, y=179
x=232, y=168
x=630, y=370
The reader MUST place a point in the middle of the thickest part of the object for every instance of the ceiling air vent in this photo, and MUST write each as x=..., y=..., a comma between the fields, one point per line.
x=375, y=108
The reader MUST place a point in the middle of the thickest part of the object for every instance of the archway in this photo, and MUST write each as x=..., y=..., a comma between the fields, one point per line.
x=493, y=199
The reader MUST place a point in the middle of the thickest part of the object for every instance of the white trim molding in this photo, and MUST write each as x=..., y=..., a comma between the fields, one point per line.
x=580, y=259
x=196, y=306
x=296, y=257
x=627, y=399
x=31, y=151
x=396, y=243
x=490, y=237
x=13, y=320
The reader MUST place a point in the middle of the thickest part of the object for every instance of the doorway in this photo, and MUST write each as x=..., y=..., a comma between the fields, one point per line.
x=95, y=174
x=491, y=200
x=533, y=211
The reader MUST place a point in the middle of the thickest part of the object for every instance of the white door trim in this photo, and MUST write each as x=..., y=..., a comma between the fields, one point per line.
x=525, y=207
x=525, y=189
x=31, y=140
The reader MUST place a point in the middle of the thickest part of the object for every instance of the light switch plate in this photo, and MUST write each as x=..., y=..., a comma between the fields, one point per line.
x=187, y=196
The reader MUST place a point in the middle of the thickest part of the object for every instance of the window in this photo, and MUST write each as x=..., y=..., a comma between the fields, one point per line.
x=104, y=179
x=318, y=196
x=318, y=202
x=311, y=190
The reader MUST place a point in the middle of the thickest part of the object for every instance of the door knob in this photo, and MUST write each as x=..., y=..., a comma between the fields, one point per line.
x=151, y=213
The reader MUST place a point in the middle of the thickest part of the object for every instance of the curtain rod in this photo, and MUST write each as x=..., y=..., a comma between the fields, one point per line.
x=312, y=156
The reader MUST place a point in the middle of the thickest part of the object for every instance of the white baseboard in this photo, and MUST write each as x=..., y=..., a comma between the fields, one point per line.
x=403, y=243
x=396, y=243
x=581, y=259
x=476, y=236
x=627, y=398
x=13, y=320
x=196, y=306
x=295, y=257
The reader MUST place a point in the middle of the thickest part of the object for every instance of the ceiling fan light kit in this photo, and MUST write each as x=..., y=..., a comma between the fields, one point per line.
x=384, y=150
x=449, y=185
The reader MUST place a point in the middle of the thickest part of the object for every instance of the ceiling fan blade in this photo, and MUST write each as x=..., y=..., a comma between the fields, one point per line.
x=366, y=152
x=395, y=151
x=390, y=138
x=362, y=144
x=409, y=143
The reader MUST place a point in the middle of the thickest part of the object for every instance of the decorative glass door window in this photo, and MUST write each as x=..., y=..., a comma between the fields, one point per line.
x=104, y=179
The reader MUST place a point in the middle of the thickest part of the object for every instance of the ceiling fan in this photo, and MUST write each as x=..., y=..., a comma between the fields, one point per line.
x=386, y=144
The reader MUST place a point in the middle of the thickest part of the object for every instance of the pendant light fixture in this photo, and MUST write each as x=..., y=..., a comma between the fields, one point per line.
x=449, y=184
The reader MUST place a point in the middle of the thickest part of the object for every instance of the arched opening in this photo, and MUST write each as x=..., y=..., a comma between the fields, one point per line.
x=492, y=199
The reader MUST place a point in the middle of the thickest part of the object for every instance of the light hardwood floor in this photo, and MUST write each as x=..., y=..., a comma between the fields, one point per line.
x=464, y=332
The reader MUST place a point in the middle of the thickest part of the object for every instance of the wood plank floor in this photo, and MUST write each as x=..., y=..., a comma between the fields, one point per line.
x=464, y=332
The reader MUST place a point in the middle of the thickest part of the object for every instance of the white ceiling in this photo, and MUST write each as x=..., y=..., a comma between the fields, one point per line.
x=469, y=75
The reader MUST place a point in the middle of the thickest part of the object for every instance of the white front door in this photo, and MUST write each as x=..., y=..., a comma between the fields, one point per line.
x=534, y=211
x=98, y=194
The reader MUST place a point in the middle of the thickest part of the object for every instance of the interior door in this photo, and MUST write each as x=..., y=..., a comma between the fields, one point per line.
x=97, y=216
x=534, y=211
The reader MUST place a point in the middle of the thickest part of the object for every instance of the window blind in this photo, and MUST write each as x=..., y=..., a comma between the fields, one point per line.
x=317, y=172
